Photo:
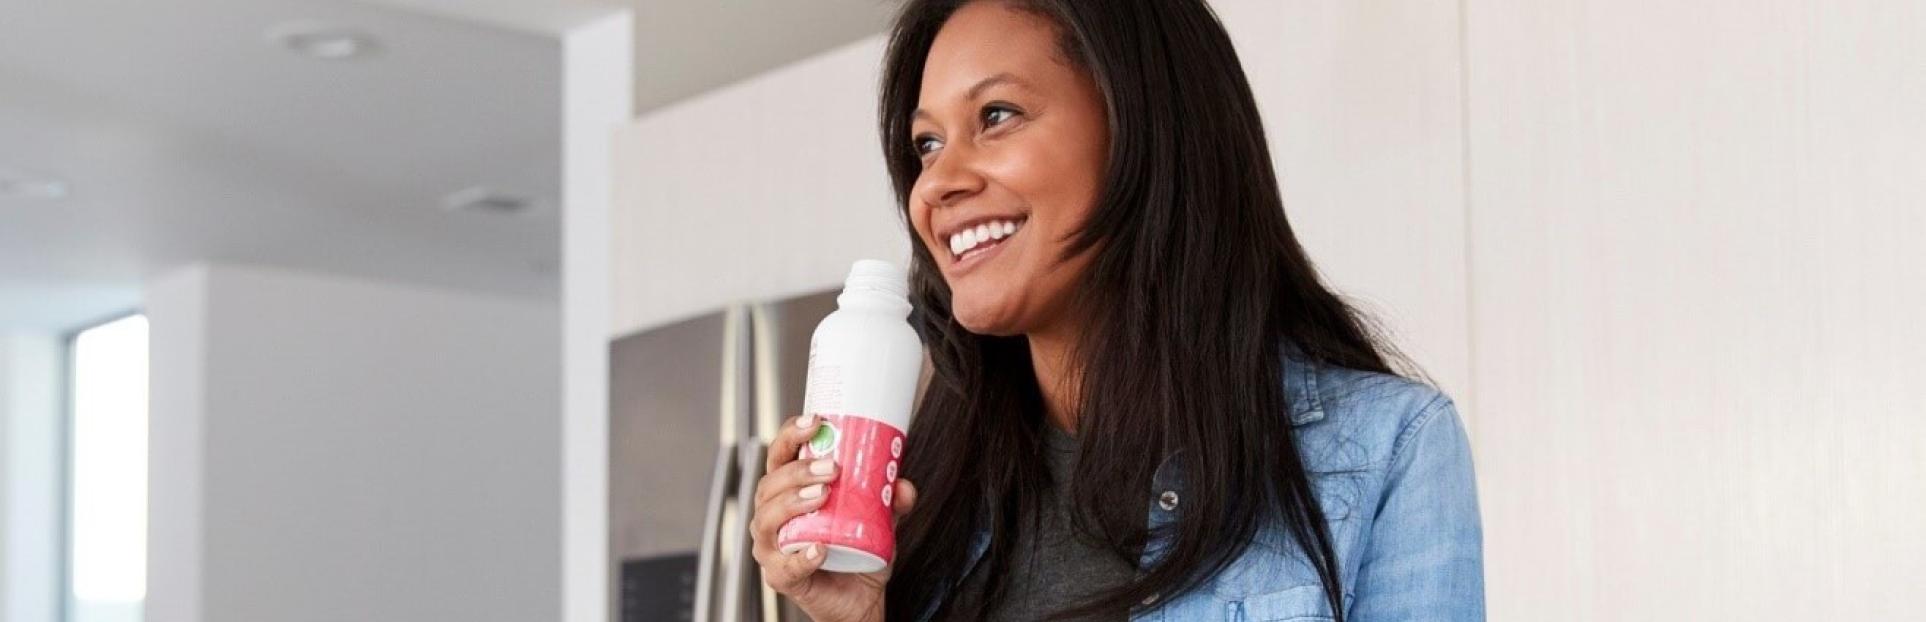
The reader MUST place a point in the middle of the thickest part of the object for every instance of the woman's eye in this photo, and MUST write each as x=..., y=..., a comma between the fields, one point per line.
x=995, y=115
x=927, y=144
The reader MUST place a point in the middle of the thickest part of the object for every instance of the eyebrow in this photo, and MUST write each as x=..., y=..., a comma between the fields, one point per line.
x=977, y=89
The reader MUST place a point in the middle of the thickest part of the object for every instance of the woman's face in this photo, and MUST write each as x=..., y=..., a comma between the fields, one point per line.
x=1013, y=141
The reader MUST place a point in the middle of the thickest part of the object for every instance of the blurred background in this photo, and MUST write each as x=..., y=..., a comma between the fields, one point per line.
x=475, y=309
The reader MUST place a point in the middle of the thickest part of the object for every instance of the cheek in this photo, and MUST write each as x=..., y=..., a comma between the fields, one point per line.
x=1057, y=180
x=1035, y=171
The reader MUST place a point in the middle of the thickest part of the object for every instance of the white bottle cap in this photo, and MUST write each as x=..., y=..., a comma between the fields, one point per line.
x=878, y=275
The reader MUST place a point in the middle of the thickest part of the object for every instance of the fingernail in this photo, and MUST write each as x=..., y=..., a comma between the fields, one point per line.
x=810, y=552
x=822, y=466
x=805, y=421
x=811, y=491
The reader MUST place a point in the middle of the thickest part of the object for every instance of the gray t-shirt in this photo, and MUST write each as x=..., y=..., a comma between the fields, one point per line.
x=1055, y=567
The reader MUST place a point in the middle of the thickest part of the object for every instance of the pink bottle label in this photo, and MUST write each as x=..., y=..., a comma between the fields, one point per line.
x=856, y=512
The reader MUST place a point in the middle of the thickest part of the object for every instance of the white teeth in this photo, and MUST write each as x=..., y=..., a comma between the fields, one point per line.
x=967, y=239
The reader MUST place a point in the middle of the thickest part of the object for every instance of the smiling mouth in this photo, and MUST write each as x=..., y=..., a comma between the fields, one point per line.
x=978, y=239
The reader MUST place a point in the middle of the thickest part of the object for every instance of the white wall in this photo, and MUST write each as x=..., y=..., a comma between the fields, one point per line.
x=1362, y=105
x=178, y=308
x=767, y=187
x=598, y=82
x=31, y=440
x=334, y=449
x=1698, y=287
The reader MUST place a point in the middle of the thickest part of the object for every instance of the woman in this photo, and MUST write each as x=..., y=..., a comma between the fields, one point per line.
x=1145, y=403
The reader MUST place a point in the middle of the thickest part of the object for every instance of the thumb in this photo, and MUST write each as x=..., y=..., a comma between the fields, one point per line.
x=905, y=499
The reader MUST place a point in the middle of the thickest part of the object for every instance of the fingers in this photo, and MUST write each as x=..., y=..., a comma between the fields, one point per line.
x=790, y=572
x=790, y=439
x=797, y=474
x=792, y=489
x=905, y=498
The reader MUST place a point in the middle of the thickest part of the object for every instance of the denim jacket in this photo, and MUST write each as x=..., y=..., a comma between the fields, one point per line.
x=1391, y=466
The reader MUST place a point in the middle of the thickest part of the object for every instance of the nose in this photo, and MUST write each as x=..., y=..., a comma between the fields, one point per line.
x=951, y=178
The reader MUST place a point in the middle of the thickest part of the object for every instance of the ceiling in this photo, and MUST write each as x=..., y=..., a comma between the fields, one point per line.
x=185, y=136
x=685, y=47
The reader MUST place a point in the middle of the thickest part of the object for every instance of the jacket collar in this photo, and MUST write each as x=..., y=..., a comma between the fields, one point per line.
x=1300, y=386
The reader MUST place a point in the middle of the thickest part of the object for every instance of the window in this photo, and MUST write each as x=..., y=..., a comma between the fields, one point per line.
x=107, y=473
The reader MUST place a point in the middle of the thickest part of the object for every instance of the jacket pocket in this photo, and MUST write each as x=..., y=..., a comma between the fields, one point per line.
x=1304, y=602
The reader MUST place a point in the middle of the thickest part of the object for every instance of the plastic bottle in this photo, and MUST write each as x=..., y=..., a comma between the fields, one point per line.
x=863, y=364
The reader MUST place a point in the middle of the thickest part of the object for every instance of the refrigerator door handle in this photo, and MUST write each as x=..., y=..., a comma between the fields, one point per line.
x=742, y=594
x=708, y=562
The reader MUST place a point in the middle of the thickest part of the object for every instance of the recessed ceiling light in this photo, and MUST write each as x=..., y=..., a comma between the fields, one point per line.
x=321, y=40
x=19, y=184
x=482, y=199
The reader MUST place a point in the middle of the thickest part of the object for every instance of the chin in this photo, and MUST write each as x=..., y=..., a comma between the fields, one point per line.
x=983, y=319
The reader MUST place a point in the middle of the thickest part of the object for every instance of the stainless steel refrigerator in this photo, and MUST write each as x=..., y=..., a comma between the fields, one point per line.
x=692, y=405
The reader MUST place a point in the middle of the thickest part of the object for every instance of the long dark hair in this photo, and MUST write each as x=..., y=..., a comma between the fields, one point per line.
x=1196, y=289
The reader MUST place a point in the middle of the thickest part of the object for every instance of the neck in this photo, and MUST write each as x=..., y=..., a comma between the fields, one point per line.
x=1057, y=377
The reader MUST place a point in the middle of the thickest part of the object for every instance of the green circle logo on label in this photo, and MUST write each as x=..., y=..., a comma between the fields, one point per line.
x=824, y=442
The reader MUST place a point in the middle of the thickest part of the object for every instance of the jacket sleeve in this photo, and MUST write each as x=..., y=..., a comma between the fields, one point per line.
x=1424, y=558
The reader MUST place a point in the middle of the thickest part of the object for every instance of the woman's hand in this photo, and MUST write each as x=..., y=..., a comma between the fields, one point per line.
x=789, y=488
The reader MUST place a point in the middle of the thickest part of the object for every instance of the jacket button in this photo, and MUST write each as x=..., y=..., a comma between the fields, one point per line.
x=1168, y=500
